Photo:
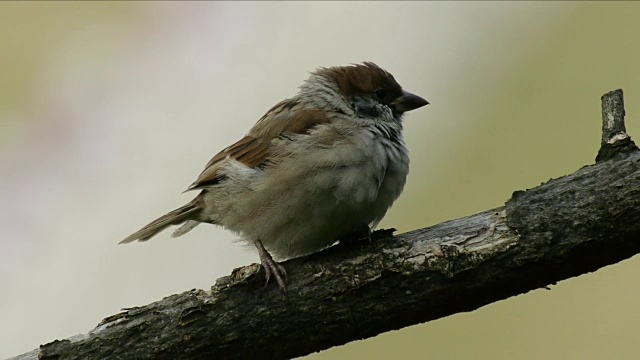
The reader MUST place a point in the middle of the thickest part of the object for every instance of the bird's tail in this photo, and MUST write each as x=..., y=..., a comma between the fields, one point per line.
x=185, y=228
x=175, y=217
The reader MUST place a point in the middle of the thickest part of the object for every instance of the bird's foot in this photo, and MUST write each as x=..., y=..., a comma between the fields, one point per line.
x=271, y=268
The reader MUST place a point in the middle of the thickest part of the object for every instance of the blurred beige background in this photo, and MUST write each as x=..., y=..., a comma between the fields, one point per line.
x=109, y=110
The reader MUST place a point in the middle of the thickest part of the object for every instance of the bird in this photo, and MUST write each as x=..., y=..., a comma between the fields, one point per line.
x=321, y=164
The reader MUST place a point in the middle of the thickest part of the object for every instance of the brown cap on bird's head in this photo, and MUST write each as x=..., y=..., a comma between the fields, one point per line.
x=368, y=79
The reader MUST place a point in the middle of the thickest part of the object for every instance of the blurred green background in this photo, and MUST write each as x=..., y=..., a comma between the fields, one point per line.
x=109, y=110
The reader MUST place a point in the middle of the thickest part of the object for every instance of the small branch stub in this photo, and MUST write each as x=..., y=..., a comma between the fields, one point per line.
x=615, y=139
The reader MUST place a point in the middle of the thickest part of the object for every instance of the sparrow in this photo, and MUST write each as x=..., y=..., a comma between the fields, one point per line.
x=324, y=163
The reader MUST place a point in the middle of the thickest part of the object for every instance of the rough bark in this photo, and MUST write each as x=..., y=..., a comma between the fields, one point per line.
x=563, y=228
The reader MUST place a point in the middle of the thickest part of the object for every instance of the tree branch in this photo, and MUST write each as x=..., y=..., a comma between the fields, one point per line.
x=563, y=228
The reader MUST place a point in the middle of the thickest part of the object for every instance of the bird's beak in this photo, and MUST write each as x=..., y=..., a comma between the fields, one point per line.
x=408, y=102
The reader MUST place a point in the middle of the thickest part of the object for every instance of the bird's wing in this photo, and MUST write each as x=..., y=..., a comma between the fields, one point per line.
x=287, y=116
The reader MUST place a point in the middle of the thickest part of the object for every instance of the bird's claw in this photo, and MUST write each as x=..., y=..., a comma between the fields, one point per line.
x=272, y=268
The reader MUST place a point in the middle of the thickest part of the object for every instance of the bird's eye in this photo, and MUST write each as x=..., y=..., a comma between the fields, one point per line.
x=380, y=93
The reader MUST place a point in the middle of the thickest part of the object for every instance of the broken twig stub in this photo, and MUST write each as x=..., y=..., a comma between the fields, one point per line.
x=615, y=140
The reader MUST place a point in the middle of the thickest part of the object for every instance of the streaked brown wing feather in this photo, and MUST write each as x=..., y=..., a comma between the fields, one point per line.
x=287, y=116
x=239, y=145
